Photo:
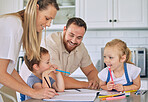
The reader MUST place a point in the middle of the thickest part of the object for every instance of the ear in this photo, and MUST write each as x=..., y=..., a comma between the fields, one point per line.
x=35, y=67
x=37, y=7
x=123, y=58
x=64, y=29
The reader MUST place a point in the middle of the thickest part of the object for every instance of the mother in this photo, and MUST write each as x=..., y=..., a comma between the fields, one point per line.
x=24, y=27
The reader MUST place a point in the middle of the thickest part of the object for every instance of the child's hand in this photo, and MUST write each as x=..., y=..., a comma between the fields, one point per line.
x=54, y=67
x=47, y=72
x=119, y=87
x=110, y=85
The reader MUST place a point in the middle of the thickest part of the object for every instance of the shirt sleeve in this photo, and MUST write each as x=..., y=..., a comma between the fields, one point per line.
x=10, y=37
x=135, y=71
x=86, y=60
x=103, y=75
x=32, y=79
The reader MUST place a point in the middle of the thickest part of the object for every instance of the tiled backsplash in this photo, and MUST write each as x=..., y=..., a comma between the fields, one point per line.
x=94, y=40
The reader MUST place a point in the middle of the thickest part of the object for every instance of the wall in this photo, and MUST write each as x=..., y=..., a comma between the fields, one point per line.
x=94, y=40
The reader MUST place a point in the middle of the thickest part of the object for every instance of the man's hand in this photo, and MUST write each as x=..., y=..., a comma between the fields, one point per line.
x=93, y=84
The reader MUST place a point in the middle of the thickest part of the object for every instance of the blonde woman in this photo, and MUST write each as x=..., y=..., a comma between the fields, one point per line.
x=24, y=27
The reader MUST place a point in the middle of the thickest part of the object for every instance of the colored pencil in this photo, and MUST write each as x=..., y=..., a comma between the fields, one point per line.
x=63, y=71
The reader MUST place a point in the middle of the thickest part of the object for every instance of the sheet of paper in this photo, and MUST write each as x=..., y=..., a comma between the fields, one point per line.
x=74, y=95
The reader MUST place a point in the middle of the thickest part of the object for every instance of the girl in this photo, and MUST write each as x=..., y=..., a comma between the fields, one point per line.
x=125, y=74
x=24, y=26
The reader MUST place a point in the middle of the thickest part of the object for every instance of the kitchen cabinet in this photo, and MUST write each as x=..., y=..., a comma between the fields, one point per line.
x=114, y=13
x=9, y=6
x=67, y=10
x=144, y=84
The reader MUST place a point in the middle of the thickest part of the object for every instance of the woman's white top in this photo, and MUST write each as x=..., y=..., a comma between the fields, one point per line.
x=133, y=72
x=11, y=32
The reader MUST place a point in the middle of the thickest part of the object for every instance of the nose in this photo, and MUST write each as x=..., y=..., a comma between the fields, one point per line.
x=74, y=40
x=48, y=23
x=106, y=60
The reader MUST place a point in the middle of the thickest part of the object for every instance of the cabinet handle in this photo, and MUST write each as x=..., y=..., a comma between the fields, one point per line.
x=115, y=20
x=110, y=20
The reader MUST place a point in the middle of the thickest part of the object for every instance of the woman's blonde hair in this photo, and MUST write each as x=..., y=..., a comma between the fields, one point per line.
x=122, y=48
x=32, y=38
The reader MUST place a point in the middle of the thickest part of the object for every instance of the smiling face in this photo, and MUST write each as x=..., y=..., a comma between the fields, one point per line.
x=73, y=36
x=112, y=59
x=44, y=17
x=44, y=63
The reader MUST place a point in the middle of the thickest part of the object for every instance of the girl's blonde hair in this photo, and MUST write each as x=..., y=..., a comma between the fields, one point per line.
x=32, y=38
x=122, y=48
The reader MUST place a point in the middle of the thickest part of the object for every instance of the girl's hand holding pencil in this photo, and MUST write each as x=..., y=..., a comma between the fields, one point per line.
x=110, y=85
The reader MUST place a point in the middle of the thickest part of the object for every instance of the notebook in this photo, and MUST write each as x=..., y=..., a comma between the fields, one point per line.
x=87, y=95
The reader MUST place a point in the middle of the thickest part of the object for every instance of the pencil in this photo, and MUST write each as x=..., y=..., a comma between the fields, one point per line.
x=47, y=82
x=63, y=71
x=110, y=73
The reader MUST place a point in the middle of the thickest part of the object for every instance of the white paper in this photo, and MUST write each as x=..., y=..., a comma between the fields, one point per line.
x=74, y=95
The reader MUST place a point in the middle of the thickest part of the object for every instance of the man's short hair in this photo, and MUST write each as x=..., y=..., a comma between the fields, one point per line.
x=77, y=21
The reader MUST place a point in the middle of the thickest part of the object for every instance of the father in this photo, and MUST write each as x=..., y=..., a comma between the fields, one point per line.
x=69, y=53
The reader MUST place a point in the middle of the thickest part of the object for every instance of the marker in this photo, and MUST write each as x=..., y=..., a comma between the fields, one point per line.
x=130, y=91
x=119, y=97
x=144, y=92
x=110, y=73
x=78, y=90
x=63, y=71
x=47, y=82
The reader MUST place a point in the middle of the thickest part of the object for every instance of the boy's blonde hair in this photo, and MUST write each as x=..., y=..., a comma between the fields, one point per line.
x=122, y=48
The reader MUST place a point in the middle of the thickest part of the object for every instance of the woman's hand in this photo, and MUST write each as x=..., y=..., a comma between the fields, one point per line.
x=110, y=85
x=44, y=93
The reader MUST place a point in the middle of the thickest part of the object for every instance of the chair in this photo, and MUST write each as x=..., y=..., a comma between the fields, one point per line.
x=24, y=73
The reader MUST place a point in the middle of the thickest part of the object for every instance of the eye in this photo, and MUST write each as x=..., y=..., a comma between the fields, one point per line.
x=48, y=18
x=71, y=35
x=104, y=56
x=111, y=57
x=79, y=37
x=47, y=62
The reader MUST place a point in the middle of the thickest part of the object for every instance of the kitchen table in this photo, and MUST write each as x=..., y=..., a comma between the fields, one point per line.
x=132, y=98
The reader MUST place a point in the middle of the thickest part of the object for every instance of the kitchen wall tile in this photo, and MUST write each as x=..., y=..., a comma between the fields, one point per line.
x=143, y=33
x=103, y=34
x=90, y=34
x=131, y=34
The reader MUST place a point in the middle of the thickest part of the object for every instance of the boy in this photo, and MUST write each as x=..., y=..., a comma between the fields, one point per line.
x=40, y=73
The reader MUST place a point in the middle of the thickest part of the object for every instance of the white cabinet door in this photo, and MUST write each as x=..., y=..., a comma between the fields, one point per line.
x=144, y=84
x=130, y=13
x=96, y=13
x=9, y=6
x=114, y=13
